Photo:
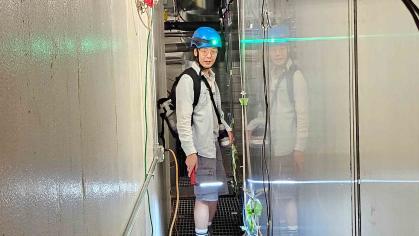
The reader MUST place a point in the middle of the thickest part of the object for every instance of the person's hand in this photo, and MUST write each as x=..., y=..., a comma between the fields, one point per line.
x=191, y=163
x=298, y=160
x=231, y=137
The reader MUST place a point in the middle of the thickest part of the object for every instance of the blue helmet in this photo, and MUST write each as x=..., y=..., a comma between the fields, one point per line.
x=206, y=37
x=279, y=33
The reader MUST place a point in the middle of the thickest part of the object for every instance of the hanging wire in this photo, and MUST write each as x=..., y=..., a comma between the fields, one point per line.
x=141, y=9
x=146, y=125
x=172, y=225
x=265, y=169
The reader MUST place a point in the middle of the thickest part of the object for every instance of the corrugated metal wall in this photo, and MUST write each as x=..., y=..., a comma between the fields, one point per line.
x=72, y=105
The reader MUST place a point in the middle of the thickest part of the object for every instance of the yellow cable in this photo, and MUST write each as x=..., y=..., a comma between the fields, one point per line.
x=177, y=192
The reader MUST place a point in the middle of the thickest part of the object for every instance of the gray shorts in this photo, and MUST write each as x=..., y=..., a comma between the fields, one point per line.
x=210, y=178
x=282, y=168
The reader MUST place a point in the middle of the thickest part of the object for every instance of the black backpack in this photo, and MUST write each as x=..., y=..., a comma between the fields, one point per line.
x=167, y=106
x=167, y=112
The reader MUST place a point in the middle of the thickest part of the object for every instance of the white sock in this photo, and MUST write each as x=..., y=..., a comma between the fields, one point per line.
x=201, y=232
x=209, y=223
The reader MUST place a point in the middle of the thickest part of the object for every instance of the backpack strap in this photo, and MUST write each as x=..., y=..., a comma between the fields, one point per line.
x=288, y=76
x=196, y=78
x=196, y=84
x=212, y=99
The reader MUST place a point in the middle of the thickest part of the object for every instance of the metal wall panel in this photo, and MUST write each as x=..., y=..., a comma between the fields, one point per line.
x=72, y=89
x=378, y=66
x=389, y=114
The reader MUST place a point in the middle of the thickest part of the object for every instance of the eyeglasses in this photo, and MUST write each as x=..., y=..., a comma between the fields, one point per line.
x=206, y=51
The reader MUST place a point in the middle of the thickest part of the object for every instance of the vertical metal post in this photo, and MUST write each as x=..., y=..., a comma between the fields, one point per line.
x=354, y=118
x=143, y=190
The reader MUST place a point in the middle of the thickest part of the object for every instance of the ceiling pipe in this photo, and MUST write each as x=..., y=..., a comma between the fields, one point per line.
x=175, y=62
x=190, y=26
x=178, y=34
x=177, y=47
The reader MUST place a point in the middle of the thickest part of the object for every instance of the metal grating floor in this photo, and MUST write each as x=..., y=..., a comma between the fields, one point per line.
x=227, y=221
x=184, y=182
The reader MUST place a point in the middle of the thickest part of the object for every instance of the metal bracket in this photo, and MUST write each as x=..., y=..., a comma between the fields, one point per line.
x=158, y=152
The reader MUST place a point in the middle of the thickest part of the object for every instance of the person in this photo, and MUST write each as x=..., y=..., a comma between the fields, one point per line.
x=199, y=138
x=289, y=127
x=287, y=130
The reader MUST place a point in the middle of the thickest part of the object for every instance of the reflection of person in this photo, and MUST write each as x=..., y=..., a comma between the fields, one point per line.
x=199, y=140
x=288, y=129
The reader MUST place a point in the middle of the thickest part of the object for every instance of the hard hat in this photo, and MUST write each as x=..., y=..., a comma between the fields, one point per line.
x=206, y=37
x=279, y=33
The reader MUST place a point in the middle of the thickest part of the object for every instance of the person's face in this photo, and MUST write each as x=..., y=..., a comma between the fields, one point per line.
x=279, y=54
x=206, y=56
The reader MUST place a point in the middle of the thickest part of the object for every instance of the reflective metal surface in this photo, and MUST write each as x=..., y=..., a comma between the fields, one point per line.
x=72, y=123
x=389, y=114
x=361, y=89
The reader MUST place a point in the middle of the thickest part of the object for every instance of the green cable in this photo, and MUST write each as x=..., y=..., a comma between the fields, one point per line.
x=146, y=129
x=234, y=160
